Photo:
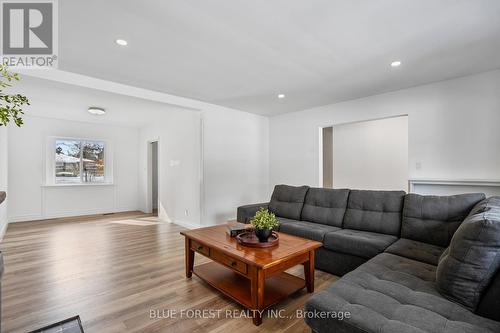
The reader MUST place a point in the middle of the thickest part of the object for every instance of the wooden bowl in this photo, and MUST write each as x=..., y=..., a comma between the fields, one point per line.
x=249, y=239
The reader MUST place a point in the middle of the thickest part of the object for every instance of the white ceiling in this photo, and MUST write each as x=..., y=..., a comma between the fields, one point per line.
x=67, y=101
x=241, y=53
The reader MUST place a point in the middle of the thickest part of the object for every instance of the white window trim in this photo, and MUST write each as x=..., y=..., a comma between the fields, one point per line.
x=50, y=178
x=77, y=184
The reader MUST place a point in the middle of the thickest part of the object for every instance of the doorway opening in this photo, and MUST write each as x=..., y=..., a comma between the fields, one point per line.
x=369, y=155
x=327, y=139
x=153, y=188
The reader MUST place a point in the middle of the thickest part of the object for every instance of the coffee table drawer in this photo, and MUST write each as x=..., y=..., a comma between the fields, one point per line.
x=230, y=262
x=205, y=250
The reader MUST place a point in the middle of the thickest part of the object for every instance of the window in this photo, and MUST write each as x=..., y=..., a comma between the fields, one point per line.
x=79, y=161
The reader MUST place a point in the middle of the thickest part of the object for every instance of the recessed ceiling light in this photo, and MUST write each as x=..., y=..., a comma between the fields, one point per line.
x=396, y=63
x=96, y=111
x=121, y=42
x=281, y=96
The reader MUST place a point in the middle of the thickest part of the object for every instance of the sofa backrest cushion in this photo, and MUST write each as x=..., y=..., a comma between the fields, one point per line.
x=468, y=267
x=325, y=206
x=434, y=219
x=287, y=201
x=375, y=211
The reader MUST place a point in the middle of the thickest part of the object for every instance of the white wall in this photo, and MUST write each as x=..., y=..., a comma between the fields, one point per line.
x=207, y=167
x=453, y=130
x=235, y=168
x=380, y=144
x=237, y=157
x=3, y=179
x=209, y=164
x=179, y=157
x=31, y=200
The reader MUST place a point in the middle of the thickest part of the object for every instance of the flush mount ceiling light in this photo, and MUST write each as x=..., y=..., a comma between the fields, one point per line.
x=121, y=42
x=96, y=111
x=396, y=63
x=281, y=96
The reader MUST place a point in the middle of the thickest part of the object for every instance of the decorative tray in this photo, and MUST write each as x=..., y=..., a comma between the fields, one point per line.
x=250, y=239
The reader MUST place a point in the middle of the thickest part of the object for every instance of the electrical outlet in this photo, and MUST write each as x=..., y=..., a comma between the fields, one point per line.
x=418, y=165
x=186, y=212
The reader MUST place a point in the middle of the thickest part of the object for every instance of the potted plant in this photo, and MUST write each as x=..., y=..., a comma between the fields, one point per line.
x=264, y=222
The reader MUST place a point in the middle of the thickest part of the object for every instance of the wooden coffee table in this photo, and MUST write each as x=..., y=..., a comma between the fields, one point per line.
x=253, y=277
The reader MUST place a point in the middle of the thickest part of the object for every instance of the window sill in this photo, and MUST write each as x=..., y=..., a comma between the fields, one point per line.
x=77, y=185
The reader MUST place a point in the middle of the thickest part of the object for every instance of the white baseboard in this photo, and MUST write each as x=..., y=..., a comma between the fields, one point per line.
x=25, y=218
x=70, y=213
x=187, y=225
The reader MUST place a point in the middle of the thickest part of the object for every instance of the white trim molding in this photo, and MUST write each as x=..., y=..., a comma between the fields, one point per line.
x=76, y=184
x=69, y=213
x=186, y=224
x=453, y=182
x=433, y=186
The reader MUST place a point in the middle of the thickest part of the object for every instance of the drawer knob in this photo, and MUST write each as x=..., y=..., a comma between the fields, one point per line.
x=200, y=248
x=233, y=263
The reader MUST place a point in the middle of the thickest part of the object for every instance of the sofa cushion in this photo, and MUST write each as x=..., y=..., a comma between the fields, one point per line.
x=359, y=243
x=245, y=213
x=287, y=201
x=489, y=306
x=390, y=293
x=434, y=219
x=309, y=230
x=336, y=263
x=411, y=249
x=375, y=211
x=473, y=258
x=326, y=206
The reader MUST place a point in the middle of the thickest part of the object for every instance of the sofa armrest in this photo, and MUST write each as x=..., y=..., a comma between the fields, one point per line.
x=245, y=213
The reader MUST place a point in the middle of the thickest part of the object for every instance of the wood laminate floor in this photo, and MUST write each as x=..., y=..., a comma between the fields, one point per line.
x=113, y=271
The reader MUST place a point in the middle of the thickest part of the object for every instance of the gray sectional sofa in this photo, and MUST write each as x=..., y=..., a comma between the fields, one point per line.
x=404, y=265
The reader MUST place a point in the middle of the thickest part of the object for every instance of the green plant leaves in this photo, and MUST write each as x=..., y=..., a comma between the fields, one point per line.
x=264, y=219
x=10, y=104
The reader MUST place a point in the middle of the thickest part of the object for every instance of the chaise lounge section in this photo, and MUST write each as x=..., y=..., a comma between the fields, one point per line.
x=387, y=245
